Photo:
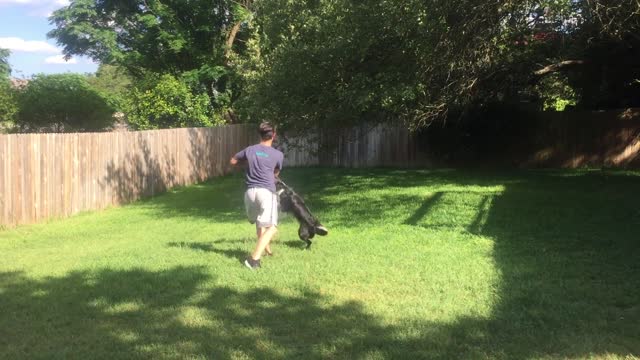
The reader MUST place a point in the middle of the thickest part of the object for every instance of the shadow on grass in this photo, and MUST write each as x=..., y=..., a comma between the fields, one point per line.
x=424, y=208
x=144, y=314
x=566, y=245
x=238, y=254
x=567, y=249
x=296, y=244
x=218, y=200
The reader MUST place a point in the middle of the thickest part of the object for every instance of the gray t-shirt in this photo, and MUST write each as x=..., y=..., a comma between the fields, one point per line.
x=263, y=160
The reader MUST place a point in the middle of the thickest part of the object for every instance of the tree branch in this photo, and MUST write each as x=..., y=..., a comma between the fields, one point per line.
x=558, y=67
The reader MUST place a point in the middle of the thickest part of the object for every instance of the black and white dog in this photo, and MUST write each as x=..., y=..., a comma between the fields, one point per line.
x=292, y=203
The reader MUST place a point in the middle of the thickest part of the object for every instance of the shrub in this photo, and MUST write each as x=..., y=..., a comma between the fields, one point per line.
x=8, y=105
x=62, y=103
x=166, y=102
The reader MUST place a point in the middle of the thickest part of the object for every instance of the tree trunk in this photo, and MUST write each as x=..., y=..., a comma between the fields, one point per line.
x=231, y=39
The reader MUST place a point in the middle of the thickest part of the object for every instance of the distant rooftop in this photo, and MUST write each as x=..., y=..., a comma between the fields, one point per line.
x=19, y=83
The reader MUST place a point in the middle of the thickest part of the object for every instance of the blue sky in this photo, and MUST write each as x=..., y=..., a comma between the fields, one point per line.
x=23, y=30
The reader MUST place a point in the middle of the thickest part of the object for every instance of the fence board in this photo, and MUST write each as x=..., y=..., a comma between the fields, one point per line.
x=16, y=164
x=2, y=178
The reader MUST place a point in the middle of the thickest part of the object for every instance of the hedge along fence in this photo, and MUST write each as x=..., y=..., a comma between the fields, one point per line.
x=44, y=176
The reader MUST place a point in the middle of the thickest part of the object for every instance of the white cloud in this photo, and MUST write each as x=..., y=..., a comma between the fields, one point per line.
x=18, y=44
x=16, y=2
x=37, y=7
x=59, y=59
x=36, y=2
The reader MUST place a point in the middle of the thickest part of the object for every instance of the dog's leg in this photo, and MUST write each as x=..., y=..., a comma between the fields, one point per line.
x=305, y=217
x=305, y=235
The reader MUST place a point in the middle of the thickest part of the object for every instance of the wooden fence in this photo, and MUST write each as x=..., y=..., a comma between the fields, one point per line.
x=361, y=146
x=45, y=176
x=569, y=139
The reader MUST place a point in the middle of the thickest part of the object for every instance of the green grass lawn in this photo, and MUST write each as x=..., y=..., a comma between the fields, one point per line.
x=418, y=264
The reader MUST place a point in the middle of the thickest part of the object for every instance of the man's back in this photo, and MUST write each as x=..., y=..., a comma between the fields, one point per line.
x=262, y=163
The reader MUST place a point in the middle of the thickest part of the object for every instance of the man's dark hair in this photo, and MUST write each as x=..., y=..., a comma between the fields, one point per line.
x=266, y=131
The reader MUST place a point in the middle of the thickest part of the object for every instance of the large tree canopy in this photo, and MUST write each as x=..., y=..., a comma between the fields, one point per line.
x=157, y=36
x=184, y=38
x=339, y=61
x=315, y=62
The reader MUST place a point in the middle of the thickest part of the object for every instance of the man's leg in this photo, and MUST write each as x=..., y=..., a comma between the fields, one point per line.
x=266, y=221
x=263, y=241
x=259, y=232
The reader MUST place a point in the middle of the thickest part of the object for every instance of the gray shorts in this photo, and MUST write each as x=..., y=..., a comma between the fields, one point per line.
x=262, y=207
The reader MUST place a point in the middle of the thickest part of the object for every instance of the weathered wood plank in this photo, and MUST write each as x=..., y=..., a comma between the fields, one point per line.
x=3, y=190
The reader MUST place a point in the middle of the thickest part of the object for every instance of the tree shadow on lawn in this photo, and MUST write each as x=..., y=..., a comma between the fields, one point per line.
x=565, y=243
x=167, y=314
x=219, y=200
x=567, y=249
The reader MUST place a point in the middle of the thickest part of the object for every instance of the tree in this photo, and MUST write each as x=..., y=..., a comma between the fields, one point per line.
x=609, y=44
x=111, y=78
x=165, y=102
x=62, y=103
x=186, y=39
x=113, y=82
x=8, y=105
x=5, y=68
x=341, y=62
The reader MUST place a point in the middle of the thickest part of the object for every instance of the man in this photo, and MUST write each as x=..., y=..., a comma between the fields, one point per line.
x=260, y=199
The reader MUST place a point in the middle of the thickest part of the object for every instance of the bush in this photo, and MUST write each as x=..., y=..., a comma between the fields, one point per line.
x=113, y=82
x=62, y=103
x=8, y=105
x=166, y=102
